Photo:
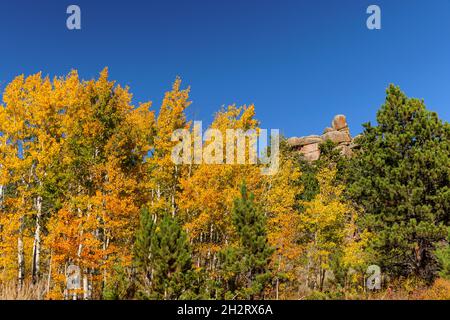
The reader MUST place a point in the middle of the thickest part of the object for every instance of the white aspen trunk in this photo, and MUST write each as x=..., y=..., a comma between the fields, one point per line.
x=278, y=278
x=105, y=258
x=20, y=249
x=173, y=205
x=1, y=196
x=80, y=246
x=85, y=287
x=174, y=192
x=20, y=260
x=20, y=256
x=214, y=262
x=35, y=266
x=49, y=278
x=211, y=232
x=208, y=258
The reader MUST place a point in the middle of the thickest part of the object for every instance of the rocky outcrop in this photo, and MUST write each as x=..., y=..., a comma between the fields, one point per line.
x=339, y=133
x=328, y=129
x=339, y=122
x=337, y=137
x=304, y=141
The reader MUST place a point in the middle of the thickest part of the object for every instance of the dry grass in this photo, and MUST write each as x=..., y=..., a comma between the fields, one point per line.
x=413, y=289
x=439, y=291
x=406, y=290
x=10, y=291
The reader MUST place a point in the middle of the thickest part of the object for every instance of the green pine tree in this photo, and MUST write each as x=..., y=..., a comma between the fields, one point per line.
x=141, y=252
x=401, y=179
x=245, y=267
x=163, y=260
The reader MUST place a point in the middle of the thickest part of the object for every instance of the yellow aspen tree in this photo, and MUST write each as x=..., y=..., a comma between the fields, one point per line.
x=280, y=202
x=165, y=174
x=106, y=141
x=356, y=256
x=323, y=224
x=207, y=195
x=32, y=133
x=124, y=190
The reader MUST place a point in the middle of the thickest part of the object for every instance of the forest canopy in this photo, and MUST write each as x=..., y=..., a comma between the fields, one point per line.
x=86, y=179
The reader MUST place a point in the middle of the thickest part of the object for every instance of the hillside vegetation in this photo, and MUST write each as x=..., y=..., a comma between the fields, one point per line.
x=86, y=179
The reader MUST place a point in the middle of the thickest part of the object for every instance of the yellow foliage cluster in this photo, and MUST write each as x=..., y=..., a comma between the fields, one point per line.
x=78, y=161
x=68, y=193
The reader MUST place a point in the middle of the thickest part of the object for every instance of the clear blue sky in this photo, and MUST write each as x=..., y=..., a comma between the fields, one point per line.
x=300, y=62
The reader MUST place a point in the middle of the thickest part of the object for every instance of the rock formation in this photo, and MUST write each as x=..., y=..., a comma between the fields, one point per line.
x=339, y=133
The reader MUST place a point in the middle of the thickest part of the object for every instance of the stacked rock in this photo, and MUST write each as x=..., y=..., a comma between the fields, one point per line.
x=308, y=146
x=339, y=133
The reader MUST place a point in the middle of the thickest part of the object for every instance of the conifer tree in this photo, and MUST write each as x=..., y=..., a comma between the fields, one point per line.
x=401, y=179
x=141, y=253
x=246, y=267
x=163, y=259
